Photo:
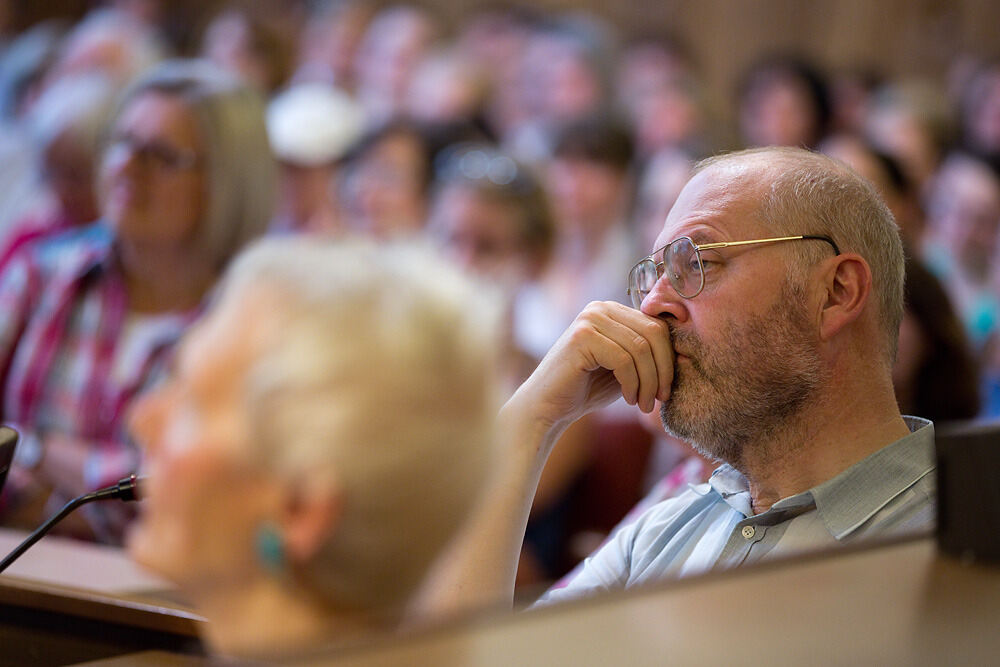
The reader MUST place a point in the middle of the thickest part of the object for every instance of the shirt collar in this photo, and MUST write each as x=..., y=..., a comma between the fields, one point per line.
x=852, y=497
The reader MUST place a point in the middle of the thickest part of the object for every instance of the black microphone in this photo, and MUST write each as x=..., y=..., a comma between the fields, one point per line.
x=126, y=489
x=8, y=442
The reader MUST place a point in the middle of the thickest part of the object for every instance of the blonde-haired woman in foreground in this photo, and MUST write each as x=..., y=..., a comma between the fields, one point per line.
x=324, y=432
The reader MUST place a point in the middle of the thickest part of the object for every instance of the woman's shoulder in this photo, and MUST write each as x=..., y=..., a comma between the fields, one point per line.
x=69, y=249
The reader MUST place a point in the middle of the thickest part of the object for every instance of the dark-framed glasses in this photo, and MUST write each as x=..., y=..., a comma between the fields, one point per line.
x=682, y=262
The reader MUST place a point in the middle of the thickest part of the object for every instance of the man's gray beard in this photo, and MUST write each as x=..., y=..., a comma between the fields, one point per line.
x=722, y=403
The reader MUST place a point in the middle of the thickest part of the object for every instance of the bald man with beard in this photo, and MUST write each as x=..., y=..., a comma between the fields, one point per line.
x=766, y=323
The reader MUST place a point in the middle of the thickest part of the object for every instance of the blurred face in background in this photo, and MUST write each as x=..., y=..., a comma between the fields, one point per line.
x=662, y=180
x=587, y=195
x=964, y=213
x=153, y=174
x=558, y=80
x=444, y=89
x=982, y=117
x=229, y=43
x=383, y=189
x=482, y=234
x=655, y=89
x=777, y=110
x=391, y=48
x=859, y=156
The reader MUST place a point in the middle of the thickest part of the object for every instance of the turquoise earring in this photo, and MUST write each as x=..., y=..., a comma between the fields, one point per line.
x=270, y=546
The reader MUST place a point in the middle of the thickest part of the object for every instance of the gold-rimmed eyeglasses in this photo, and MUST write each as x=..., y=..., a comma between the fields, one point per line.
x=681, y=260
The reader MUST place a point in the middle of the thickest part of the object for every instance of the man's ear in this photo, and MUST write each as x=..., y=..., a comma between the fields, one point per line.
x=847, y=281
x=310, y=515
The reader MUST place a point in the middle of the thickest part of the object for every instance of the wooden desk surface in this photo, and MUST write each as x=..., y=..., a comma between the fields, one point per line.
x=91, y=581
x=902, y=604
x=898, y=604
x=66, y=601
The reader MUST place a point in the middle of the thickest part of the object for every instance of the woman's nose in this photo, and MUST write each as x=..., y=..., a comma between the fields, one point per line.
x=145, y=420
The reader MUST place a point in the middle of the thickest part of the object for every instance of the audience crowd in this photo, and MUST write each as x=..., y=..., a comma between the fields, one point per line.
x=540, y=151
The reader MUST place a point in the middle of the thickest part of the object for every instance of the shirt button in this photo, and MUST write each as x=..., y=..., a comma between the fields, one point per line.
x=748, y=532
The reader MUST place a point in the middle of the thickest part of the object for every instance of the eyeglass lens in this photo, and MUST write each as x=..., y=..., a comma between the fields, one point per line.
x=154, y=154
x=682, y=264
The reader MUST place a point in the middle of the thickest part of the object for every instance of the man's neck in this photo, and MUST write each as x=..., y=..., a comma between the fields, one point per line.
x=826, y=439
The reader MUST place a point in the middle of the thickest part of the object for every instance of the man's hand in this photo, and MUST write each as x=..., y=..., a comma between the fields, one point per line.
x=610, y=350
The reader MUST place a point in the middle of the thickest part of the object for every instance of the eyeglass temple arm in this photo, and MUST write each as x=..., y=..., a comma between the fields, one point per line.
x=726, y=244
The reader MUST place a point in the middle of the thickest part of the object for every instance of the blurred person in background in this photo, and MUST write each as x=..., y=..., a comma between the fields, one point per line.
x=783, y=101
x=249, y=45
x=565, y=75
x=589, y=181
x=660, y=181
x=330, y=40
x=68, y=125
x=447, y=89
x=658, y=91
x=394, y=43
x=494, y=41
x=311, y=127
x=889, y=178
x=383, y=186
x=105, y=43
x=23, y=62
x=851, y=90
x=290, y=525
x=963, y=219
x=935, y=374
x=90, y=316
x=110, y=42
x=490, y=214
x=991, y=355
x=980, y=111
x=912, y=121
x=22, y=66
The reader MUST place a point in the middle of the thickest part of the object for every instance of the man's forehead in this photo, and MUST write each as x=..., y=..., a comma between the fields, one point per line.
x=715, y=204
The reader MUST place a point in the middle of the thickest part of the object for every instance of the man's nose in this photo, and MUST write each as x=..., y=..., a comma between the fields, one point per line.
x=664, y=302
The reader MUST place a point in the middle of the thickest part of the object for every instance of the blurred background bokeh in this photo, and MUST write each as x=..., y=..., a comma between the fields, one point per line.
x=540, y=145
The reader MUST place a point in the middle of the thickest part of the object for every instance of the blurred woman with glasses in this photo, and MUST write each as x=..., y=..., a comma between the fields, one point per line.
x=89, y=317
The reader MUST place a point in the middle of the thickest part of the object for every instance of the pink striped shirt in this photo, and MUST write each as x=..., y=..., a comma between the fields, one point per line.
x=63, y=310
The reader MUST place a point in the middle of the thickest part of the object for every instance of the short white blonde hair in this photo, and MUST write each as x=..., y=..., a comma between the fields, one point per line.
x=381, y=378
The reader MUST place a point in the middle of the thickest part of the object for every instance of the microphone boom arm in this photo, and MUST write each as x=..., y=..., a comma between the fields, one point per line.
x=126, y=489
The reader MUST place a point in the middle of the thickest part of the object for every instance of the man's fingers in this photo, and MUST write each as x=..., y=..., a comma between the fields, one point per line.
x=608, y=354
x=640, y=354
x=645, y=342
x=656, y=335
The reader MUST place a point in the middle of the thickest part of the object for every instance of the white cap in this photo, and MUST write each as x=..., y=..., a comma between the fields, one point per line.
x=312, y=124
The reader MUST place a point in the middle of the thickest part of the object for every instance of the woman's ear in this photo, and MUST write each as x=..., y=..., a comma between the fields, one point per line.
x=311, y=513
x=847, y=282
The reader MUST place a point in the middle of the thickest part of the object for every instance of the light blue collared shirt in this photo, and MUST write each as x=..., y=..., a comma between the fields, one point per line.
x=712, y=525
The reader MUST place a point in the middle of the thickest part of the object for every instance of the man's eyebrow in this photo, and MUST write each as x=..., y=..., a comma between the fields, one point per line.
x=700, y=236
